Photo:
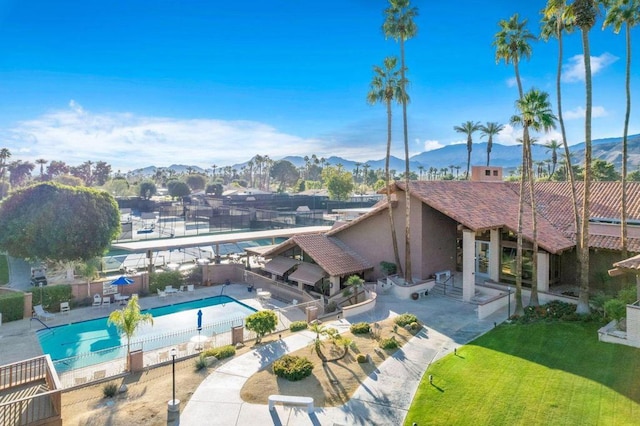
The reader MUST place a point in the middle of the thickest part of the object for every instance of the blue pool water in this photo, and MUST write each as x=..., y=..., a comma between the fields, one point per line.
x=93, y=341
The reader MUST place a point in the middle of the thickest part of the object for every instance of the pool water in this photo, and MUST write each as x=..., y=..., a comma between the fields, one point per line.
x=94, y=341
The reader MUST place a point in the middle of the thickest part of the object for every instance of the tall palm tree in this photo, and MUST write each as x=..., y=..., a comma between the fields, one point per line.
x=41, y=162
x=127, y=320
x=627, y=13
x=512, y=43
x=536, y=114
x=5, y=154
x=399, y=25
x=490, y=129
x=585, y=13
x=552, y=147
x=468, y=128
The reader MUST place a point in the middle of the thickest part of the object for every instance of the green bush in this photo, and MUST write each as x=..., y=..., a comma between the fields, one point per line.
x=405, y=319
x=200, y=363
x=414, y=325
x=360, y=328
x=4, y=269
x=221, y=352
x=390, y=343
x=615, y=309
x=554, y=311
x=331, y=307
x=159, y=280
x=362, y=358
x=261, y=323
x=50, y=296
x=298, y=325
x=628, y=295
x=292, y=368
x=11, y=305
x=109, y=390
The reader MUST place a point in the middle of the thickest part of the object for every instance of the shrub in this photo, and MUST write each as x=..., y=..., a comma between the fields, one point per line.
x=261, y=322
x=221, y=352
x=360, y=328
x=362, y=358
x=331, y=306
x=405, y=319
x=415, y=325
x=615, y=309
x=51, y=296
x=159, y=280
x=292, y=368
x=200, y=363
x=628, y=295
x=389, y=268
x=109, y=390
x=390, y=343
x=11, y=306
x=298, y=325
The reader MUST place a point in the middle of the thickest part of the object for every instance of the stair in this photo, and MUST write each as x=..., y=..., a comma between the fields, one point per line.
x=447, y=290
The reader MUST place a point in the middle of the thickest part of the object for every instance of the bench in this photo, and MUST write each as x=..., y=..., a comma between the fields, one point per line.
x=292, y=400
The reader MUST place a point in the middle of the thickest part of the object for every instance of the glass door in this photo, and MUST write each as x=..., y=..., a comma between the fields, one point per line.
x=482, y=258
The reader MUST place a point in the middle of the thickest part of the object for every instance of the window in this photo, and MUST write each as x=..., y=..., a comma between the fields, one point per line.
x=487, y=172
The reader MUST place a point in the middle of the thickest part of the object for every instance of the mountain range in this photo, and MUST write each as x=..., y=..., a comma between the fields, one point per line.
x=506, y=156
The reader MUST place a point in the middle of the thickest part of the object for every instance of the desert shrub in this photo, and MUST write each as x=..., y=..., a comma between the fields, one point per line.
x=390, y=343
x=298, y=325
x=221, y=352
x=405, y=319
x=414, y=325
x=360, y=328
x=331, y=307
x=109, y=390
x=293, y=368
x=362, y=358
x=200, y=363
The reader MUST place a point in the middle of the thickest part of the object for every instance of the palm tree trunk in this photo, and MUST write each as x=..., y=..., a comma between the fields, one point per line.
x=533, y=301
x=468, y=161
x=518, y=294
x=583, y=299
x=623, y=197
x=394, y=237
x=407, y=234
x=569, y=167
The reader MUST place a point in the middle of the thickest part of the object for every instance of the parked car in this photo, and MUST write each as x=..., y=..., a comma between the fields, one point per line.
x=38, y=277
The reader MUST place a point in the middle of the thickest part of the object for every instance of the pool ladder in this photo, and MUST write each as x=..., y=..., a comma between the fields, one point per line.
x=45, y=325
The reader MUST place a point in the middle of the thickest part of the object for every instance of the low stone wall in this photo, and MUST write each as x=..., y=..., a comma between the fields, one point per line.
x=359, y=308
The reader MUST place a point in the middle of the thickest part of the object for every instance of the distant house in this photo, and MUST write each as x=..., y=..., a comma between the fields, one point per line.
x=470, y=227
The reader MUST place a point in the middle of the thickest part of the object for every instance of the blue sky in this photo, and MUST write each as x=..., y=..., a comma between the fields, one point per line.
x=200, y=82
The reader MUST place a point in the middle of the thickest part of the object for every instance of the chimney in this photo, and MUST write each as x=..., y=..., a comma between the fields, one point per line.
x=486, y=174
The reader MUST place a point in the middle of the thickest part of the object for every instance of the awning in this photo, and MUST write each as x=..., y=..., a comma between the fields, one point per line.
x=631, y=265
x=307, y=273
x=279, y=265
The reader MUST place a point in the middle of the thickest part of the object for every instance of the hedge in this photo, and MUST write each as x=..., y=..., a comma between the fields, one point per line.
x=292, y=368
x=221, y=352
x=11, y=305
x=159, y=280
x=51, y=296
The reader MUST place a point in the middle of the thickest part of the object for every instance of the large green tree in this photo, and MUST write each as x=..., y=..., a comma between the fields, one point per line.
x=49, y=221
x=385, y=88
x=624, y=13
x=468, y=128
x=127, y=320
x=285, y=173
x=399, y=24
x=512, y=43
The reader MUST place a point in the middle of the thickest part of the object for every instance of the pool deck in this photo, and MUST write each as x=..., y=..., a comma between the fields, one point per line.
x=18, y=339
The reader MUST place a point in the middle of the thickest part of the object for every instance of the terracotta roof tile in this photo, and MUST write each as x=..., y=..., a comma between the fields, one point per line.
x=632, y=264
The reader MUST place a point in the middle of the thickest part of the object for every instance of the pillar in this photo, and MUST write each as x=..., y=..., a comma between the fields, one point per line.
x=334, y=287
x=468, y=264
x=494, y=255
x=543, y=271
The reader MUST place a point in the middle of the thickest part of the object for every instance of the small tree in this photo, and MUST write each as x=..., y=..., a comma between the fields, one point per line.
x=127, y=320
x=354, y=283
x=262, y=322
x=147, y=189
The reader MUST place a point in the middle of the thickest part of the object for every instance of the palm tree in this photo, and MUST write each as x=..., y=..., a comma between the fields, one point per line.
x=512, y=44
x=490, y=129
x=128, y=319
x=41, y=162
x=585, y=12
x=553, y=146
x=420, y=170
x=5, y=154
x=555, y=22
x=535, y=113
x=627, y=13
x=468, y=128
x=399, y=25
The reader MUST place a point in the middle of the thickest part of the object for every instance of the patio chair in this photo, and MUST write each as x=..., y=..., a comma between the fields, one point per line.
x=163, y=356
x=99, y=374
x=161, y=293
x=41, y=313
x=190, y=287
x=106, y=302
x=64, y=307
x=97, y=300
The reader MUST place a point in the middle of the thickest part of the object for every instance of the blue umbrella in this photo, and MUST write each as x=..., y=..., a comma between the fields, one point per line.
x=122, y=281
x=199, y=320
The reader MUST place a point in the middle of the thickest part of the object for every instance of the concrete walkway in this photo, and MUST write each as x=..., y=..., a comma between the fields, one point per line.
x=382, y=399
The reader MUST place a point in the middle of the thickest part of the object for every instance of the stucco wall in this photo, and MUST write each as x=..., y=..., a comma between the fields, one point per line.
x=438, y=242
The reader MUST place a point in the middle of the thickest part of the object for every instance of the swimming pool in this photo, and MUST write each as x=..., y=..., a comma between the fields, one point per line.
x=91, y=342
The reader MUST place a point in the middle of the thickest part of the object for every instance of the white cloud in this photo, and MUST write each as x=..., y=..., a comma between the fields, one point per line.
x=513, y=82
x=127, y=141
x=579, y=112
x=509, y=135
x=430, y=145
x=574, y=70
x=459, y=142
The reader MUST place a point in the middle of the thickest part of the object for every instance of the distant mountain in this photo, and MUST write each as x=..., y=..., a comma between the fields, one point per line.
x=506, y=156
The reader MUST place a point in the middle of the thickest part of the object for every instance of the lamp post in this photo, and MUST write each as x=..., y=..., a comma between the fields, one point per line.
x=173, y=408
x=509, y=303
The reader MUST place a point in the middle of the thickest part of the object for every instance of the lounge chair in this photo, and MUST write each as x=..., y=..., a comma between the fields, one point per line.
x=190, y=287
x=64, y=307
x=99, y=374
x=161, y=293
x=97, y=300
x=106, y=301
x=41, y=313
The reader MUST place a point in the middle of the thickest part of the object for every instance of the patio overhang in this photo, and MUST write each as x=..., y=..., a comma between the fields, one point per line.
x=280, y=265
x=307, y=273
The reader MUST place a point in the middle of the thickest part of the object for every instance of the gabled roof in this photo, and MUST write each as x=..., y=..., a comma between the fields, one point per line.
x=329, y=253
x=629, y=265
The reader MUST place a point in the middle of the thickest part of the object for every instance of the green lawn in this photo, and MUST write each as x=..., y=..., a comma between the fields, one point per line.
x=543, y=373
x=4, y=269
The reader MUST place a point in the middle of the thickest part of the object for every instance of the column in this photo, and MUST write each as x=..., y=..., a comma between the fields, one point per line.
x=494, y=255
x=543, y=271
x=468, y=264
x=334, y=286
